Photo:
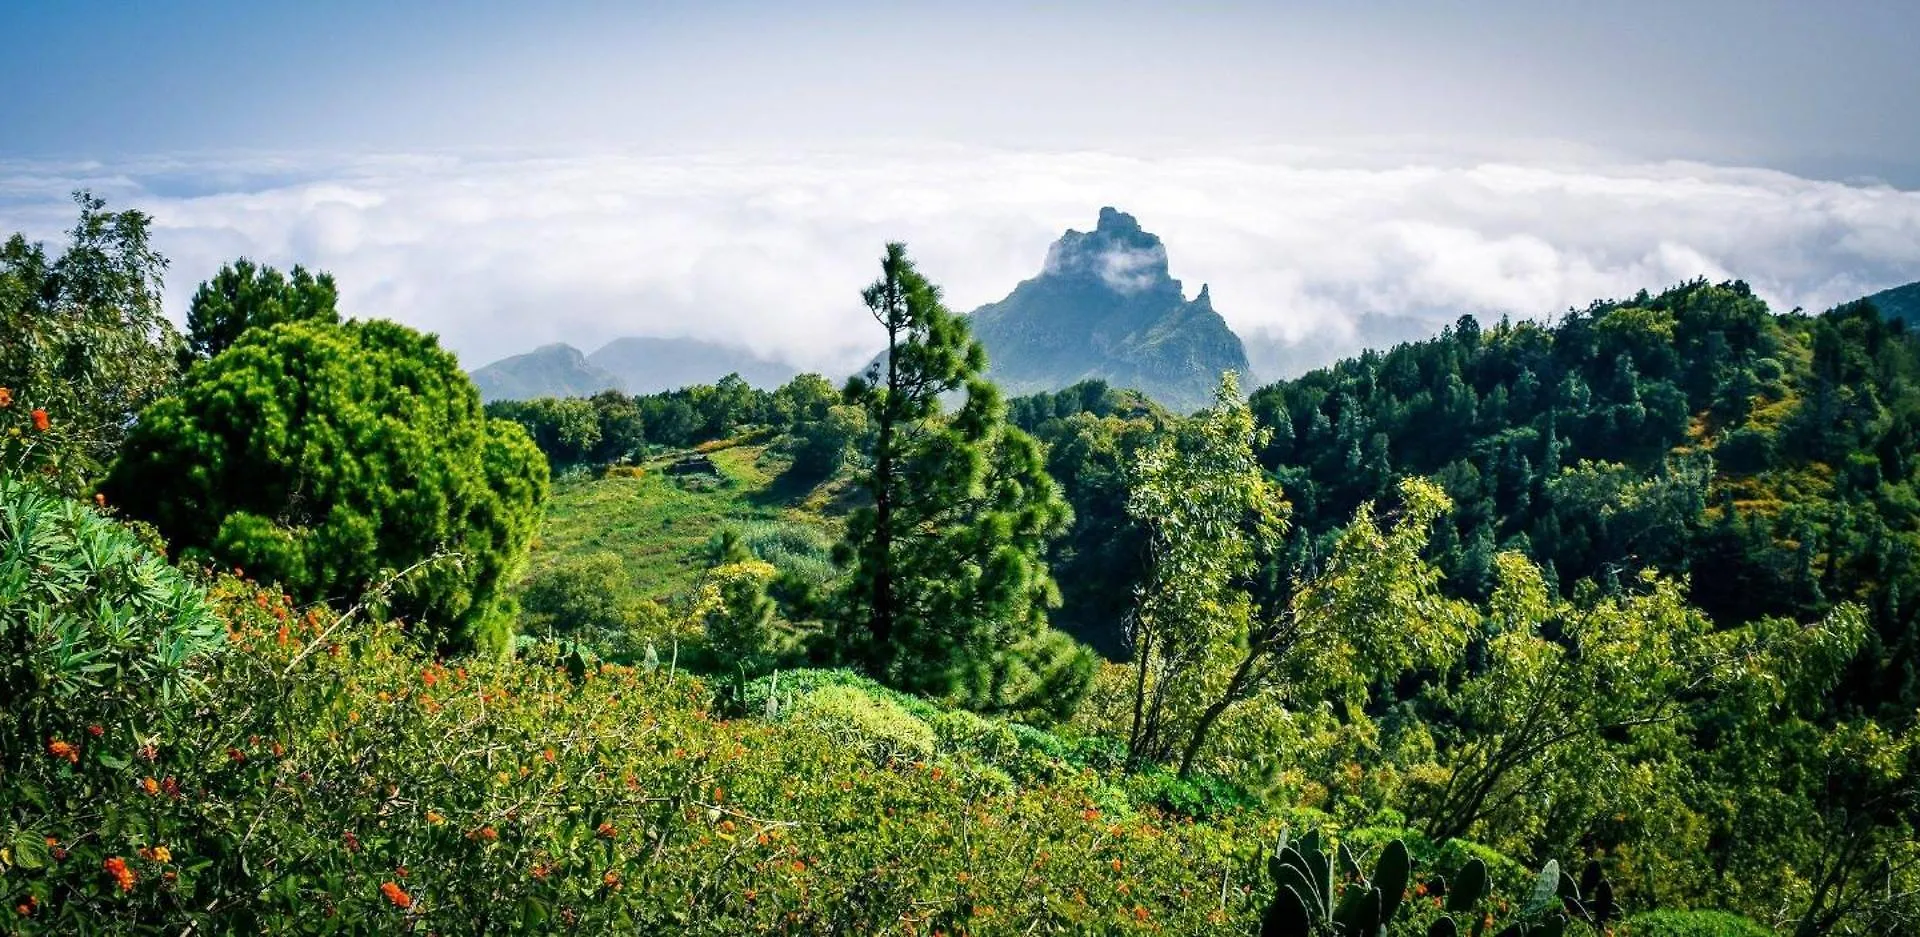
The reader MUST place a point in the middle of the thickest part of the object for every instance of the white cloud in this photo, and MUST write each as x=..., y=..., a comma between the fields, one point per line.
x=500, y=254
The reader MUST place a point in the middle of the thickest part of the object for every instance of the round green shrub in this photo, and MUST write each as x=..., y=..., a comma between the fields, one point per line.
x=320, y=456
x=880, y=728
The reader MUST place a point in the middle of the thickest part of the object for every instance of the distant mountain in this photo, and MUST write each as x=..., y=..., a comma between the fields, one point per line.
x=1901, y=302
x=557, y=370
x=1104, y=307
x=633, y=365
x=651, y=365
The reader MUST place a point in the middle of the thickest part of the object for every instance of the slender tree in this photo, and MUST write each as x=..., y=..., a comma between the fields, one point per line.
x=947, y=561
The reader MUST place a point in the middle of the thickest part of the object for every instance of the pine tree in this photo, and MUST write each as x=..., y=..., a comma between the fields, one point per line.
x=947, y=562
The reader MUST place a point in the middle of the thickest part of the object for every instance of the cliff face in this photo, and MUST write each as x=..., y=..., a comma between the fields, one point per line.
x=1104, y=306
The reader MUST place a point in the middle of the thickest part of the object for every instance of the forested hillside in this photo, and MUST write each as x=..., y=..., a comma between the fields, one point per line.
x=1770, y=459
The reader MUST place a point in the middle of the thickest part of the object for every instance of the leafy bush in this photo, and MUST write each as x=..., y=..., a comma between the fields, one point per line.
x=1201, y=797
x=1693, y=924
x=958, y=731
x=802, y=551
x=582, y=599
x=878, y=727
x=335, y=777
x=788, y=687
x=94, y=628
x=317, y=456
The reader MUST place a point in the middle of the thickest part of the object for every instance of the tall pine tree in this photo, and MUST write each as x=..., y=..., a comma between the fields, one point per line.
x=948, y=571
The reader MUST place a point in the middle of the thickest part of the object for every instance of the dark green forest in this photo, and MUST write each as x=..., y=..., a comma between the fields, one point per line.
x=1596, y=623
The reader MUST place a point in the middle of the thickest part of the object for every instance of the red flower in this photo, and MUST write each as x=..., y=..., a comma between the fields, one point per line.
x=605, y=831
x=62, y=749
x=96, y=731
x=399, y=898
x=117, y=867
x=40, y=421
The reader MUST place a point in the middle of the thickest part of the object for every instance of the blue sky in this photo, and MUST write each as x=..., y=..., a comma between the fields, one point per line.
x=457, y=164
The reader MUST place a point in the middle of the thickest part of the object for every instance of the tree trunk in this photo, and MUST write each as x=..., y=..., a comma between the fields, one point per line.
x=1236, y=687
x=881, y=624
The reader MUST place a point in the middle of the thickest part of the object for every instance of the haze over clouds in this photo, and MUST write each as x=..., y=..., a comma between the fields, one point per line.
x=513, y=174
x=500, y=254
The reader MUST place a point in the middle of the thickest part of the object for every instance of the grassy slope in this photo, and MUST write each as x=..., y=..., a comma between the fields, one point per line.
x=660, y=525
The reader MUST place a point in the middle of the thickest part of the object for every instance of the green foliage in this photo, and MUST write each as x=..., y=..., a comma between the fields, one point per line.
x=86, y=346
x=531, y=800
x=94, y=628
x=245, y=295
x=1692, y=924
x=318, y=456
x=579, y=601
x=1209, y=509
x=874, y=726
x=737, y=615
x=947, y=563
x=957, y=731
x=1321, y=890
x=1093, y=436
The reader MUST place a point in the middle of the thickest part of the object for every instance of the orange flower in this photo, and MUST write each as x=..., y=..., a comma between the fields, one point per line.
x=151, y=786
x=1090, y=814
x=611, y=880
x=605, y=831
x=400, y=899
x=40, y=421
x=99, y=500
x=25, y=907
x=435, y=818
x=540, y=872
x=6, y=398
x=62, y=749
x=117, y=867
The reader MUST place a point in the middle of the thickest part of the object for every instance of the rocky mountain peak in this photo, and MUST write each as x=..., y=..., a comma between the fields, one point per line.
x=1117, y=254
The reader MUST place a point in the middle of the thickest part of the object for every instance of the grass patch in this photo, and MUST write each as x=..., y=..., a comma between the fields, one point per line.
x=659, y=524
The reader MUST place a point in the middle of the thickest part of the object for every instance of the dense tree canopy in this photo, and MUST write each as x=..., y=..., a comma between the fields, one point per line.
x=319, y=456
x=245, y=295
x=83, y=344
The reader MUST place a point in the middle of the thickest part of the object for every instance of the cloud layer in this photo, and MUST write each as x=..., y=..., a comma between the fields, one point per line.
x=501, y=253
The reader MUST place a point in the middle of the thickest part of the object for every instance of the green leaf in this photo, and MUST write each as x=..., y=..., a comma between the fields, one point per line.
x=1286, y=916
x=1545, y=887
x=1468, y=886
x=1391, y=875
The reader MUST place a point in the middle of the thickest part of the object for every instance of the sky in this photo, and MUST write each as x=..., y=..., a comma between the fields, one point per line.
x=508, y=174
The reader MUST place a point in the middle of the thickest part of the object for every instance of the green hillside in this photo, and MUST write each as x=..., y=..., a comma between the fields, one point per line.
x=660, y=524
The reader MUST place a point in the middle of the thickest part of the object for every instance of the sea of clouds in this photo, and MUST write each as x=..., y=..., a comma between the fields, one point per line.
x=499, y=253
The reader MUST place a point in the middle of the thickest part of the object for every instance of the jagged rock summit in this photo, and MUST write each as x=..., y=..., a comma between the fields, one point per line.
x=1104, y=306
